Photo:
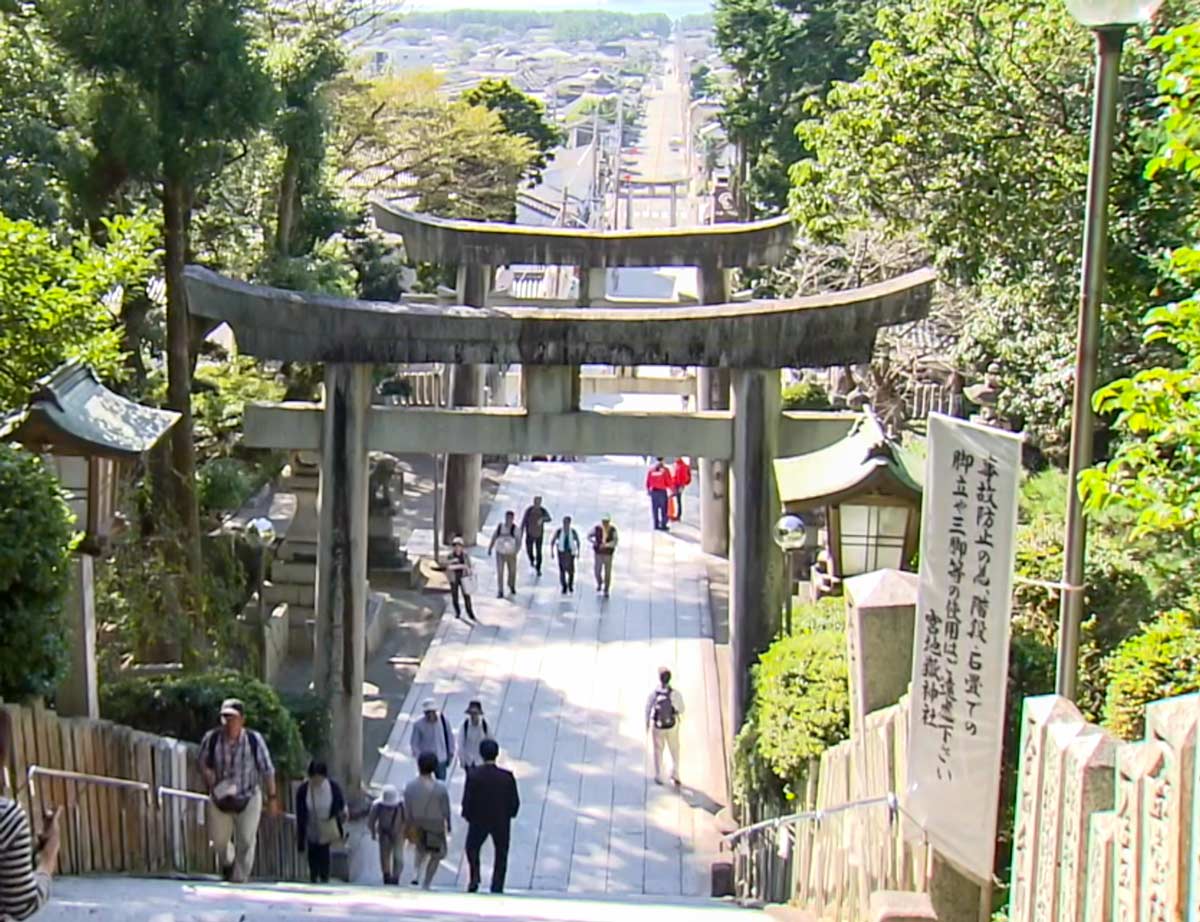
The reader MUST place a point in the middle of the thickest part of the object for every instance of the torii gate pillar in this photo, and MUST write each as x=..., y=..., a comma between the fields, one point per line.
x=460, y=505
x=712, y=393
x=342, y=567
x=756, y=564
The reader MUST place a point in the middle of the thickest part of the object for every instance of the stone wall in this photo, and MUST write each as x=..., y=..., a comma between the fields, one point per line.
x=1106, y=830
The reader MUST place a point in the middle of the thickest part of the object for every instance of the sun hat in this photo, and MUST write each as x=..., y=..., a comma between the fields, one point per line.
x=457, y=540
x=389, y=795
x=428, y=705
x=475, y=707
x=233, y=707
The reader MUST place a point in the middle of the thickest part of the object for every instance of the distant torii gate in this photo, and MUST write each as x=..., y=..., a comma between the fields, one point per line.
x=742, y=343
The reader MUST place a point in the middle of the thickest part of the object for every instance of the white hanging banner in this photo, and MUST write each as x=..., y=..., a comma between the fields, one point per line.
x=960, y=648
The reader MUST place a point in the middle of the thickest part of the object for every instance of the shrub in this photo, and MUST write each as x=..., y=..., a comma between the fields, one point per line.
x=801, y=707
x=186, y=706
x=1161, y=661
x=35, y=546
x=224, y=484
x=806, y=394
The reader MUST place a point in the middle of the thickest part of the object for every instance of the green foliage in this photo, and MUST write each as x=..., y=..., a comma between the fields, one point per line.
x=806, y=394
x=224, y=484
x=800, y=705
x=187, y=706
x=35, y=546
x=784, y=53
x=1160, y=662
x=969, y=130
x=223, y=390
x=520, y=114
x=60, y=302
x=311, y=714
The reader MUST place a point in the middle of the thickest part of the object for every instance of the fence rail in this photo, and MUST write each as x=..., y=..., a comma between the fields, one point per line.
x=129, y=799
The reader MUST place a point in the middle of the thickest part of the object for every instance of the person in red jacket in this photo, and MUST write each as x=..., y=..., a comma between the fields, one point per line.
x=681, y=473
x=659, y=485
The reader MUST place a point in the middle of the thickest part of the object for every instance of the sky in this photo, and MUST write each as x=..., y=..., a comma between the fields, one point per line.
x=671, y=7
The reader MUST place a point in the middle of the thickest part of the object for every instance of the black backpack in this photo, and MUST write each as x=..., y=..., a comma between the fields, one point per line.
x=483, y=721
x=663, y=710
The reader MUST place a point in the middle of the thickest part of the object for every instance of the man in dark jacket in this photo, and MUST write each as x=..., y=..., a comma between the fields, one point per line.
x=490, y=802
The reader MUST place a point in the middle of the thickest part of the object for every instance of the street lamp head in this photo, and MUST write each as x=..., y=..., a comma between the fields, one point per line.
x=1099, y=14
x=262, y=530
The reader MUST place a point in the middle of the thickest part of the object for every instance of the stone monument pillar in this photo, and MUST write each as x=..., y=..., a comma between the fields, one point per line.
x=881, y=610
x=460, y=502
x=294, y=569
x=342, y=567
x=77, y=694
x=712, y=393
x=756, y=563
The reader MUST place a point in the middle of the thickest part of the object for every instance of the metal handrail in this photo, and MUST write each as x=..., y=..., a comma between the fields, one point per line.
x=890, y=799
x=83, y=778
x=194, y=796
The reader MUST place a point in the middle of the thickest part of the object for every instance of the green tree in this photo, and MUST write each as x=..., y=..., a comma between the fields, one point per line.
x=177, y=83
x=35, y=547
x=783, y=54
x=1155, y=471
x=969, y=130
x=520, y=114
x=60, y=302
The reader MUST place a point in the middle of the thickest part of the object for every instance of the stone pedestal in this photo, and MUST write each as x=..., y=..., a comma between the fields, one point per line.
x=712, y=393
x=756, y=567
x=77, y=695
x=464, y=473
x=342, y=566
x=880, y=616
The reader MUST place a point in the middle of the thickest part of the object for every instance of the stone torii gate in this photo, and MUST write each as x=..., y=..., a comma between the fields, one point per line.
x=739, y=344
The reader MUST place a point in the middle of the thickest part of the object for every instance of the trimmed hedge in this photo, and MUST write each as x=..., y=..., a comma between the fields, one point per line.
x=187, y=706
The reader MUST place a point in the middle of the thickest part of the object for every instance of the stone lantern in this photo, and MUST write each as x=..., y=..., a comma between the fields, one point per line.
x=85, y=432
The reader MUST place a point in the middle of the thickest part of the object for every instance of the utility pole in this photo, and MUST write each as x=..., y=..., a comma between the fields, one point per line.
x=618, y=164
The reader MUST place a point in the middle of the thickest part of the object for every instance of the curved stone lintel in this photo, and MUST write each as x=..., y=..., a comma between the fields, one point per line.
x=453, y=242
x=833, y=329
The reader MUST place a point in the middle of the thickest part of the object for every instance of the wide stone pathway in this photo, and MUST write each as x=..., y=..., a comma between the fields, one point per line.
x=564, y=682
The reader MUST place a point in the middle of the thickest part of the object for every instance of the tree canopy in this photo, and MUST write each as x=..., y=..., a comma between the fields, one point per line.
x=520, y=114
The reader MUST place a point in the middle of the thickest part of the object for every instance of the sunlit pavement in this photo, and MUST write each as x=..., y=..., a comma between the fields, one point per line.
x=564, y=682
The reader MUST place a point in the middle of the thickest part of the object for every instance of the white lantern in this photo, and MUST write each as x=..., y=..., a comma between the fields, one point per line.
x=872, y=537
x=1098, y=14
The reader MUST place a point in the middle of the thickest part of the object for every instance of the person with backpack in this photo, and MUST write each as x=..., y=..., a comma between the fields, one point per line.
x=474, y=731
x=504, y=543
x=386, y=821
x=320, y=819
x=604, y=546
x=565, y=547
x=664, y=709
x=432, y=734
x=236, y=766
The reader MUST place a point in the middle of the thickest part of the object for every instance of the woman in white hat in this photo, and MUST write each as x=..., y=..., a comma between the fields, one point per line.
x=386, y=821
x=461, y=576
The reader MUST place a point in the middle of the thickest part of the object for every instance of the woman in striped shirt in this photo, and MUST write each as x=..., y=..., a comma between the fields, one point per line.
x=24, y=889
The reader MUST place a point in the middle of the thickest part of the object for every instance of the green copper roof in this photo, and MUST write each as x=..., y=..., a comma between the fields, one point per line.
x=71, y=412
x=865, y=461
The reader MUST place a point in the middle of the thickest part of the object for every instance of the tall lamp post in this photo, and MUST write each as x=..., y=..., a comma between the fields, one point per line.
x=1109, y=20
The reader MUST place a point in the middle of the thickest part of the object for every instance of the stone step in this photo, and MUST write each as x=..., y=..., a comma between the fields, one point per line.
x=123, y=899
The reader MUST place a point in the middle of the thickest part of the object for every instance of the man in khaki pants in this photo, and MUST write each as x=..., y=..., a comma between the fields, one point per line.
x=236, y=765
x=664, y=709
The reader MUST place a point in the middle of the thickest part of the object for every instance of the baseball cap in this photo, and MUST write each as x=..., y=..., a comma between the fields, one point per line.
x=233, y=707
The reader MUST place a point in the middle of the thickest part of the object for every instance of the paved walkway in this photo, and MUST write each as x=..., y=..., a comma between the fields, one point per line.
x=122, y=899
x=564, y=681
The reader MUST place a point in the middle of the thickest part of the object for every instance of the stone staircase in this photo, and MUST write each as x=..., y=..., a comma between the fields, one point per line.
x=122, y=899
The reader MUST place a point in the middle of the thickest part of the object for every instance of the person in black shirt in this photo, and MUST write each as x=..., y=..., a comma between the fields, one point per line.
x=490, y=802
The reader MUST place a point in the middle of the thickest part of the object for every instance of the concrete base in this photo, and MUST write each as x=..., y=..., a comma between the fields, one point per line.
x=895, y=906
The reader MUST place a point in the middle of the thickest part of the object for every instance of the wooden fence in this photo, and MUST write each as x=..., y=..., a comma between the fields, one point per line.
x=114, y=820
x=855, y=839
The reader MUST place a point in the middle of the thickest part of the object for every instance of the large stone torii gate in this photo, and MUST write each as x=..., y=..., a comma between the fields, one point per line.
x=737, y=347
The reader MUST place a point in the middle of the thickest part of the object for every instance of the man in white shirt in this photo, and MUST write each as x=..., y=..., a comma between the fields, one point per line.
x=474, y=731
x=664, y=709
x=565, y=547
